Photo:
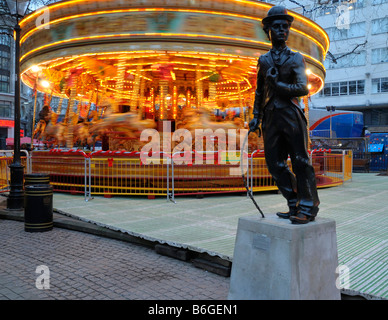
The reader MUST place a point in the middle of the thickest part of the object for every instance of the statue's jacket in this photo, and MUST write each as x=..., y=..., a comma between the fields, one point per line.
x=291, y=84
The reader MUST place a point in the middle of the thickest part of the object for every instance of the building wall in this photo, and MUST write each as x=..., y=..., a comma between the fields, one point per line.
x=7, y=90
x=358, y=33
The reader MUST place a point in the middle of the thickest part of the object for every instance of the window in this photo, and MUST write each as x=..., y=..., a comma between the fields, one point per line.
x=5, y=109
x=377, y=2
x=5, y=38
x=360, y=87
x=343, y=88
x=355, y=30
x=4, y=83
x=5, y=61
x=380, y=25
x=352, y=87
x=335, y=89
x=352, y=60
x=330, y=7
x=379, y=55
x=379, y=85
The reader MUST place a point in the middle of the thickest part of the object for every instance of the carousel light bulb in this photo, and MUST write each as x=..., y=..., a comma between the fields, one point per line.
x=35, y=68
x=308, y=71
x=45, y=84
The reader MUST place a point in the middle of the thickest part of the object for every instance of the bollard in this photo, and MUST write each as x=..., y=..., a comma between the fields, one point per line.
x=38, y=208
x=36, y=178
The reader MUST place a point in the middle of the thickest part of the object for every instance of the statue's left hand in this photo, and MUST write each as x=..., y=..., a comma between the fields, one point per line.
x=272, y=76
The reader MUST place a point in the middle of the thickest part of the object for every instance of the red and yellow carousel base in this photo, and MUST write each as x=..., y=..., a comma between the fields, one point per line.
x=123, y=173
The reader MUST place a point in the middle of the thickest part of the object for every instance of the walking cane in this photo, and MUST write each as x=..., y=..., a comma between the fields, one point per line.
x=243, y=176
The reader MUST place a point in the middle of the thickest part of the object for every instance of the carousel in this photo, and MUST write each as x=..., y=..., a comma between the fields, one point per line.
x=122, y=66
x=115, y=68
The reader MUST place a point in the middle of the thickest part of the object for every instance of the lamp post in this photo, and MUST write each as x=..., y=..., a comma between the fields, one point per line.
x=15, y=199
x=330, y=109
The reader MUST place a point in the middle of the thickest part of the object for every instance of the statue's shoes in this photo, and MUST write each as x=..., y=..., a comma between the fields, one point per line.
x=301, y=218
x=286, y=215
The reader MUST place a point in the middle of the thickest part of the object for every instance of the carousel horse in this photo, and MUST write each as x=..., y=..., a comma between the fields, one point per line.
x=123, y=128
x=83, y=136
x=54, y=133
x=44, y=119
x=192, y=119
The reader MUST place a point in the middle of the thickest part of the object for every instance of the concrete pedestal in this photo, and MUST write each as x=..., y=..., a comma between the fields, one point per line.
x=276, y=260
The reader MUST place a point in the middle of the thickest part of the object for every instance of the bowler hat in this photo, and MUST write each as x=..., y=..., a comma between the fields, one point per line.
x=277, y=12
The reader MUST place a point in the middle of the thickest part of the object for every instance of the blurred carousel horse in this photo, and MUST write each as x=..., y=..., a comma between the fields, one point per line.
x=192, y=119
x=124, y=129
x=54, y=134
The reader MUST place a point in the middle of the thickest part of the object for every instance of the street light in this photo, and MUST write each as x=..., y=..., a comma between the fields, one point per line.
x=15, y=199
x=330, y=109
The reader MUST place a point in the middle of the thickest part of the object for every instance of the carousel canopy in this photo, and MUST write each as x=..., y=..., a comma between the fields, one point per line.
x=116, y=49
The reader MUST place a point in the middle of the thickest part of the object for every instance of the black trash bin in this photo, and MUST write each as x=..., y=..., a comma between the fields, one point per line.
x=36, y=178
x=38, y=208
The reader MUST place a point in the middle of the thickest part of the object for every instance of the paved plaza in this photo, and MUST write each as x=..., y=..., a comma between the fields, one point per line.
x=93, y=267
x=85, y=266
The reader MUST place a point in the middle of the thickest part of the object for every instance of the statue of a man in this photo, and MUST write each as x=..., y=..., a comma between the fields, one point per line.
x=281, y=78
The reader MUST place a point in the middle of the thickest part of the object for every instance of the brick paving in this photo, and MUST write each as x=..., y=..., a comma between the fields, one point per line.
x=91, y=266
x=86, y=266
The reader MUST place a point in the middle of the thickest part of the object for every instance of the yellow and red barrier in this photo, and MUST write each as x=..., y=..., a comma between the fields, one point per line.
x=111, y=173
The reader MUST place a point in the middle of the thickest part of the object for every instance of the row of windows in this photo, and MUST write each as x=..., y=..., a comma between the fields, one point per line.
x=357, y=30
x=5, y=64
x=379, y=55
x=330, y=7
x=4, y=38
x=352, y=60
x=343, y=88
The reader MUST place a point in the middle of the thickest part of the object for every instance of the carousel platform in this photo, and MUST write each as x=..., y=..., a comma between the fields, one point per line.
x=208, y=226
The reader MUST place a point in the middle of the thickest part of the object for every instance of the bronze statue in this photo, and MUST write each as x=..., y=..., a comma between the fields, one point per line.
x=281, y=78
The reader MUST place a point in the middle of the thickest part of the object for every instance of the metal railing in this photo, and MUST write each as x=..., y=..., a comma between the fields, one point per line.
x=6, y=158
x=123, y=173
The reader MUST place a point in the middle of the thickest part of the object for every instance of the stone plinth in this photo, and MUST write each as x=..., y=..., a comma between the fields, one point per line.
x=276, y=260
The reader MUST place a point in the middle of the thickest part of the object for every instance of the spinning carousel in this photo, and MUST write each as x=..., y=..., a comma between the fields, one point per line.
x=118, y=67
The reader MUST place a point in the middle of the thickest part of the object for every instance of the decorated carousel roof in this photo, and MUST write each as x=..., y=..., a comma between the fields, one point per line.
x=107, y=46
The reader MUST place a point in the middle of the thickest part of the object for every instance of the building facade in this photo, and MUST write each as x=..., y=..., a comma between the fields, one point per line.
x=7, y=84
x=357, y=61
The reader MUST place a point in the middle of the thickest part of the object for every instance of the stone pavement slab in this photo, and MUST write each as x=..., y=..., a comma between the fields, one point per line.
x=209, y=225
x=82, y=266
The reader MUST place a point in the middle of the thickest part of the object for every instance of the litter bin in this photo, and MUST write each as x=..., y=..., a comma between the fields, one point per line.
x=36, y=178
x=38, y=207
